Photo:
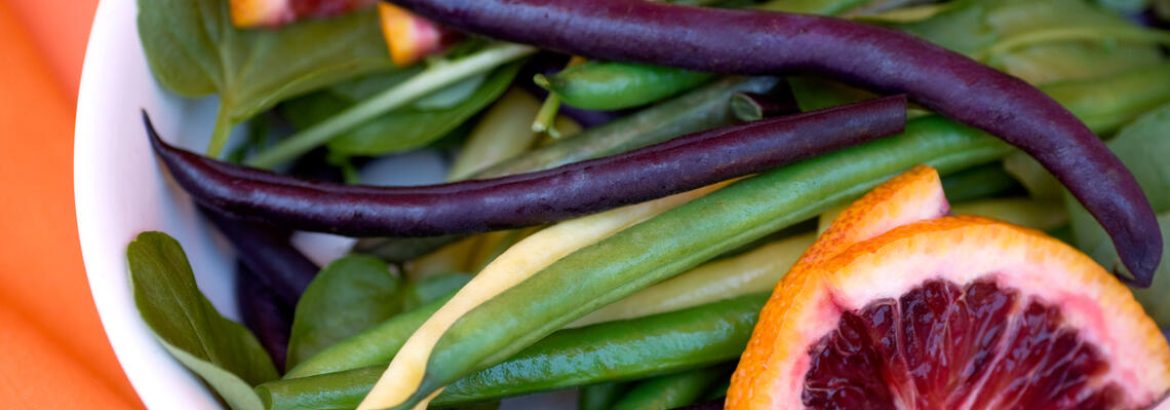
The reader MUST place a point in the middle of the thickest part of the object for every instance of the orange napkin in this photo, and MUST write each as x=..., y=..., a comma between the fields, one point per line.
x=56, y=355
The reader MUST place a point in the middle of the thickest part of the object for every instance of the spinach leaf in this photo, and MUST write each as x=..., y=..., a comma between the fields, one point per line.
x=225, y=354
x=1143, y=146
x=194, y=50
x=399, y=130
x=348, y=296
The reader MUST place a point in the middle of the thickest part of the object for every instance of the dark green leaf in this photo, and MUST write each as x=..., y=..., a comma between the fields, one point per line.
x=348, y=296
x=194, y=50
x=400, y=130
x=1143, y=146
x=225, y=354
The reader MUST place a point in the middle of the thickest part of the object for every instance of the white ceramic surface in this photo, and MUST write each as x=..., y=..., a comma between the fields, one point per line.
x=120, y=191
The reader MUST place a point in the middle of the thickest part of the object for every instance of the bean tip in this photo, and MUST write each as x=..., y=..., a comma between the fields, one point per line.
x=1141, y=265
x=542, y=81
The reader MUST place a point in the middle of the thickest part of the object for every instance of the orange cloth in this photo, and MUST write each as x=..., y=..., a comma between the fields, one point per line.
x=56, y=355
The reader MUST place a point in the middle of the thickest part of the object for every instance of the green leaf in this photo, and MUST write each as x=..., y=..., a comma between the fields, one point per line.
x=225, y=354
x=399, y=130
x=432, y=287
x=348, y=296
x=982, y=28
x=1143, y=146
x=194, y=50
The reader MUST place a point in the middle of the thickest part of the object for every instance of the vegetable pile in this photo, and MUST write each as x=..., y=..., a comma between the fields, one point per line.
x=629, y=177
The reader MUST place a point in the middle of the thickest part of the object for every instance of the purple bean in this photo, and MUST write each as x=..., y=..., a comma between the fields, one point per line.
x=881, y=59
x=266, y=251
x=268, y=317
x=528, y=199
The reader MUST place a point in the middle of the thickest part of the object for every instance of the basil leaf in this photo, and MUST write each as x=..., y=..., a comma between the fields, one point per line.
x=1143, y=146
x=225, y=354
x=399, y=130
x=348, y=296
x=194, y=50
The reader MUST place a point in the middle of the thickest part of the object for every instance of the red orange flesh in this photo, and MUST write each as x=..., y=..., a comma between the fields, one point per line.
x=948, y=312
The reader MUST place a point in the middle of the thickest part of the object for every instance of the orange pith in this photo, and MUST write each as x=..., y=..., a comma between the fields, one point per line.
x=855, y=271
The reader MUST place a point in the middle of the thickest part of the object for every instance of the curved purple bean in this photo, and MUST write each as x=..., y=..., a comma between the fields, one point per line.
x=267, y=253
x=881, y=59
x=264, y=313
x=528, y=199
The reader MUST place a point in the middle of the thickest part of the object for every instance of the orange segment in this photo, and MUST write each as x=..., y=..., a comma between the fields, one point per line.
x=915, y=195
x=949, y=313
x=409, y=37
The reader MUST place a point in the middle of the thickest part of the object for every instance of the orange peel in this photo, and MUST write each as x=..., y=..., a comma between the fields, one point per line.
x=896, y=308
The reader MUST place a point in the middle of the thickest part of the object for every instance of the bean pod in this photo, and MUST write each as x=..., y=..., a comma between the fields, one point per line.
x=881, y=59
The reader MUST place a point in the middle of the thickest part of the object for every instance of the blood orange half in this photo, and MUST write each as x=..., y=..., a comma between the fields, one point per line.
x=949, y=313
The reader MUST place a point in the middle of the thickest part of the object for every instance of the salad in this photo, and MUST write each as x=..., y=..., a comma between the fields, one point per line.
x=707, y=203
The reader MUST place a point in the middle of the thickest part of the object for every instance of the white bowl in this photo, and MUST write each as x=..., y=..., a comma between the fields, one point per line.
x=120, y=191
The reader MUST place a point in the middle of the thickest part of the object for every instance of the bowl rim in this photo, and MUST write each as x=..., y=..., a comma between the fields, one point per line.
x=157, y=378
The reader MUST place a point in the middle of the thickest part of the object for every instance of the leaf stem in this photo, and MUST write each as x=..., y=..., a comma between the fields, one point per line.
x=426, y=82
x=222, y=130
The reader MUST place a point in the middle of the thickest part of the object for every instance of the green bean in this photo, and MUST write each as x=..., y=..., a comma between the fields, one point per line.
x=1106, y=104
x=671, y=390
x=613, y=351
x=502, y=133
x=698, y=110
x=683, y=237
x=1038, y=215
x=826, y=7
x=979, y=182
x=605, y=85
x=600, y=396
x=602, y=85
x=718, y=391
x=754, y=271
x=373, y=346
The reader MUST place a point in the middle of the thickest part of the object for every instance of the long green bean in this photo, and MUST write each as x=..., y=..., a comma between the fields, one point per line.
x=670, y=391
x=686, y=236
x=612, y=351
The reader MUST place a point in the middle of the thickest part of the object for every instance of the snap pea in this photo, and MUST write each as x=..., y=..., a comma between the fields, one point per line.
x=613, y=351
x=683, y=237
x=602, y=85
x=670, y=391
x=701, y=109
x=600, y=396
x=373, y=346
